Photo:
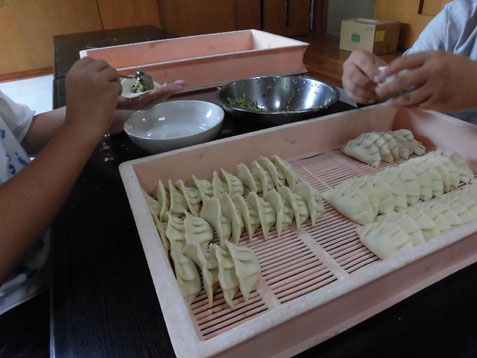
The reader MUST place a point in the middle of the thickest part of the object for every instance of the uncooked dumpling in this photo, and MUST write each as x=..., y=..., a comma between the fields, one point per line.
x=204, y=187
x=175, y=233
x=187, y=275
x=212, y=212
x=264, y=176
x=218, y=185
x=248, y=179
x=210, y=272
x=277, y=175
x=234, y=184
x=247, y=267
x=297, y=204
x=191, y=196
x=249, y=214
x=313, y=201
x=231, y=212
x=164, y=199
x=406, y=223
x=266, y=213
x=227, y=277
x=178, y=202
x=198, y=234
x=155, y=209
x=384, y=239
x=283, y=211
x=286, y=169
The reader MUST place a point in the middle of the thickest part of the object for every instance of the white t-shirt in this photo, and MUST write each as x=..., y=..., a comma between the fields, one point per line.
x=31, y=277
x=454, y=30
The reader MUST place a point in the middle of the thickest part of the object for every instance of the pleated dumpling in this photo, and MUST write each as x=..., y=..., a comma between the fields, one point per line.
x=265, y=210
x=249, y=214
x=227, y=278
x=404, y=180
x=198, y=234
x=218, y=185
x=407, y=144
x=164, y=199
x=363, y=149
x=283, y=211
x=175, y=233
x=424, y=220
x=212, y=212
x=187, y=275
x=297, y=204
x=407, y=223
x=178, y=202
x=204, y=187
x=354, y=199
x=247, y=267
x=286, y=169
x=234, y=184
x=247, y=178
x=277, y=175
x=313, y=201
x=264, y=176
x=384, y=239
x=155, y=209
x=210, y=272
x=463, y=168
x=191, y=196
x=231, y=212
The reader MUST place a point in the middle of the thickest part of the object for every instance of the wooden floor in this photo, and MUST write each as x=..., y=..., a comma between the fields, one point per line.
x=324, y=60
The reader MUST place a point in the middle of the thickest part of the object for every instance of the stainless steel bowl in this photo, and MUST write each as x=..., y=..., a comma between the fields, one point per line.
x=281, y=99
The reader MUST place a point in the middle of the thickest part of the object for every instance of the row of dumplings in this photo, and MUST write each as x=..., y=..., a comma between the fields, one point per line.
x=189, y=241
x=394, y=189
x=263, y=175
x=372, y=147
x=394, y=232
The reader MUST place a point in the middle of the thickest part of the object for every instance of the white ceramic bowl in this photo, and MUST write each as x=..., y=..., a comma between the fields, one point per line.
x=174, y=124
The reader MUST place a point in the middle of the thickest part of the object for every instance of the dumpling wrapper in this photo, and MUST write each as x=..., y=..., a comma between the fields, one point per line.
x=164, y=199
x=175, y=233
x=204, y=187
x=218, y=185
x=155, y=209
x=287, y=170
x=266, y=213
x=249, y=214
x=198, y=234
x=297, y=204
x=227, y=277
x=210, y=272
x=231, y=212
x=178, y=202
x=212, y=212
x=264, y=176
x=191, y=196
x=247, y=267
x=283, y=211
x=247, y=178
x=234, y=184
x=187, y=275
x=384, y=239
x=276, y=174
x=313, y=201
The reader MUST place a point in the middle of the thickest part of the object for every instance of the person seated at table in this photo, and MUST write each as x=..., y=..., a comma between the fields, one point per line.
x=31, y=194
x=439, y=72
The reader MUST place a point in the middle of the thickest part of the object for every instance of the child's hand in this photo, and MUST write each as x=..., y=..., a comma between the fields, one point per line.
x=92, y=88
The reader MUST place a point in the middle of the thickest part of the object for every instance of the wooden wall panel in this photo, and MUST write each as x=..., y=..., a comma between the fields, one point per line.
x=287, y=17
x=27, y=28
x=409, y=13
x=116, y=14
x=247, y=14
x=192, y=17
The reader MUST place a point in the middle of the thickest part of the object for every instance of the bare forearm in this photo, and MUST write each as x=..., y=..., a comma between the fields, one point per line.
x=30, y=200
x=45, y=125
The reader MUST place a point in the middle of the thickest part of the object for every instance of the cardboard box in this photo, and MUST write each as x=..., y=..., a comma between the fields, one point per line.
x=376, y=36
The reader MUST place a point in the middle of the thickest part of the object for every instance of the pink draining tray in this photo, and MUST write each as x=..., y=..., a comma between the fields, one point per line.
x=317, y=281
x=206, y=61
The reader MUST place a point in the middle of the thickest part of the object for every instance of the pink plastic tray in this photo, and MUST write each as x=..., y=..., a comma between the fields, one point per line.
x=317, y=281
x=206, y=61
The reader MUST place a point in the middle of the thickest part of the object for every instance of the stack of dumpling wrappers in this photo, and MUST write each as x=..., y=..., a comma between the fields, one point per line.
x=187, y=216
x=403, y=206
x=372, y=147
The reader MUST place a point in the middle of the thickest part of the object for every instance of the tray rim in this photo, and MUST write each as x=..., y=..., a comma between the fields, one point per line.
x=194, y=346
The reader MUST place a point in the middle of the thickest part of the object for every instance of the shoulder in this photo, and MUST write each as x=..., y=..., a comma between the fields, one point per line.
x=461, y=10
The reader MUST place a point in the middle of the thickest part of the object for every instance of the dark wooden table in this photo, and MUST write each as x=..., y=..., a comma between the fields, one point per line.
x=103, y=299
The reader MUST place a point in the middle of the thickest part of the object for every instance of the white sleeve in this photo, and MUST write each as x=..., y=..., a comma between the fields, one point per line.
x=17, y=117
x=433, y=37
